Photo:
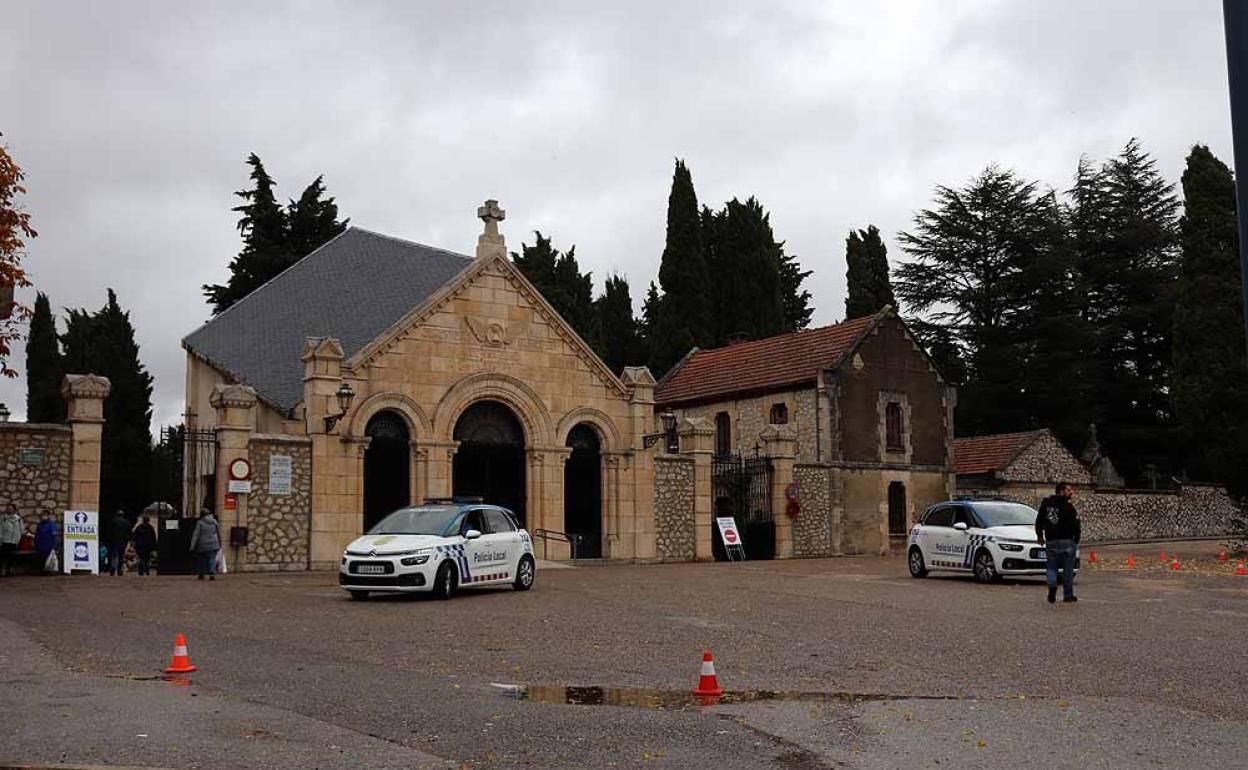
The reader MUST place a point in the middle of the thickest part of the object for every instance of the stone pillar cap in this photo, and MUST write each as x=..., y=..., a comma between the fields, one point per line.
x=85, y=386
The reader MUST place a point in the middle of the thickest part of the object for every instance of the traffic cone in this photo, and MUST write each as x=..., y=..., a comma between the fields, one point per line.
x=181, y=663
x=1163, y=556
x=1092, y=558
x=1222, y=556
x=1130, y=560
x=1240, y=570
x=1174, y=565
x=708, y=683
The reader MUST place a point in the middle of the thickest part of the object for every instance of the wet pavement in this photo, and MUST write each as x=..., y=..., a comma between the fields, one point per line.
x=827, y=663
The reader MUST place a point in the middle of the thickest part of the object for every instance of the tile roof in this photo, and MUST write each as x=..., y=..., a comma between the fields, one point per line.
x=760, y=365
x=983, y=454
x=354, y=288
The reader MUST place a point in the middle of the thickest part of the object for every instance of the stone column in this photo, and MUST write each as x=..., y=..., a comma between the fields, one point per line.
x=84, y=396
x=235, y=407
x=780, y=444
x=420, y=474
x=697, y=438
x=439, y=467
x=636, y=511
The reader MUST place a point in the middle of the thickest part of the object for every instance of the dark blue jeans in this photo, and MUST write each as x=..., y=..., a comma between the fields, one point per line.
x=206, y=561
x=1060, y=554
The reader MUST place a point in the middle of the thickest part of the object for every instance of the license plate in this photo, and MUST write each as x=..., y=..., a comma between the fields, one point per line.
x=371, y=569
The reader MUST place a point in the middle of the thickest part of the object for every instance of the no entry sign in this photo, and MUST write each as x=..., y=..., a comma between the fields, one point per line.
x=728, y=530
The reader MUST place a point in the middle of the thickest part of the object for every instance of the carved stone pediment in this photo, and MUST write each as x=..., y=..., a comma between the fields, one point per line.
x=494, y=333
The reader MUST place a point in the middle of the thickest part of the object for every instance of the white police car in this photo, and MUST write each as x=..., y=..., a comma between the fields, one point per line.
x=988, y=538
x=439, y=547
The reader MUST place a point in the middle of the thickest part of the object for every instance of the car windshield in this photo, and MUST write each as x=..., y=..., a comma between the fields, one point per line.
x=426, y=520
x=1005, y=514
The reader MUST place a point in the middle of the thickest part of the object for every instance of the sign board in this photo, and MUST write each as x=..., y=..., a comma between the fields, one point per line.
x=231, y=502
x=31, y=455
x=82, y=542
x=279, y=474
x=240, y=469
x=731, y=536
x=792, y=491
x=238, y=487
x=171, y=523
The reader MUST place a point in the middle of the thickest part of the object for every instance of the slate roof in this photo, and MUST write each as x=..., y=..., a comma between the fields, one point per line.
x=984, y=454
x=353, y=288
x=763, y=365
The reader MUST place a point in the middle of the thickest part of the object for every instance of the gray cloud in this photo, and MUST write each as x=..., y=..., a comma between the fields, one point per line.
x=133, y=119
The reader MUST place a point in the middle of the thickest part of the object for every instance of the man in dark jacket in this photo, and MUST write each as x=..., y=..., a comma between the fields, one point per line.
x=46, y=536
x=144, y=544
x=118, y=536
x=1058, y=529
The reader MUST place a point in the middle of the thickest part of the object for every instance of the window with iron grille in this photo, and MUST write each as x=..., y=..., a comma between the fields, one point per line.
x=894, y=428
x=779, y=414
x=723, y=434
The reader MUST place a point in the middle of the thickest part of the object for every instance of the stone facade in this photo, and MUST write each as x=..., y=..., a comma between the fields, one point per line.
x=812, y=529
x=750, y=418
x=674, y=507
x=35, y=464
x=1045, y=459
x=279, y=535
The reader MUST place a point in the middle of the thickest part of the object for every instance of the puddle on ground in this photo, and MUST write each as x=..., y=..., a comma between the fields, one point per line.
x=650, y=698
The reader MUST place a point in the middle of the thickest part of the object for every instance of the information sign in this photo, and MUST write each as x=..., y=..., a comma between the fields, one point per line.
x=82, y=542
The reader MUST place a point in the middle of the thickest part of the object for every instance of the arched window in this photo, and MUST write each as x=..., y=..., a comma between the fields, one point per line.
x=779, y=414
x=723, y=434
x=894, y=428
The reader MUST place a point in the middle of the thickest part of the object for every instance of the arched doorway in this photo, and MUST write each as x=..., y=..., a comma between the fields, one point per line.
x=490, y=460
x=387, y=467
x=582, y=491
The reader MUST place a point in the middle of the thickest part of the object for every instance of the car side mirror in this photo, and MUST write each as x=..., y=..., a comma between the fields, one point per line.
x=961, y=526
x=472, y=534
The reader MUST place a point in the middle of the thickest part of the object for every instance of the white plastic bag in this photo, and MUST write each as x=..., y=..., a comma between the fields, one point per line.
x=220, y=568
x=52, y=564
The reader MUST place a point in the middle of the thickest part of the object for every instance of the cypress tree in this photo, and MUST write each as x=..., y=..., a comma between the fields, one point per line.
x=45, y=368
x=745, y=260
x=682, y=319
x=312, y=220
x=1210, y=372
x=620, y=343
x=866, y=275
x=559, y=278
x=794, y=300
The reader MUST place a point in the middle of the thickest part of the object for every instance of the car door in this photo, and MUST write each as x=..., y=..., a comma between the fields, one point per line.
x=476, y=550
x=959, y=540
x=932, y=536
x=506, y=540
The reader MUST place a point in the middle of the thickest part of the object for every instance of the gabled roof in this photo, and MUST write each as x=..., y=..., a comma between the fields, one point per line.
x=986, y=454
x=352, y=288
x=762, y=365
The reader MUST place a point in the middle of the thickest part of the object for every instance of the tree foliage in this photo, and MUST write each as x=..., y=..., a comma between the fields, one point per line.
x=620, y=341
x=745, y=259
x=45, y=366
x=559, y=278
x=866, y=276
x=15, y=230
x=274, y=238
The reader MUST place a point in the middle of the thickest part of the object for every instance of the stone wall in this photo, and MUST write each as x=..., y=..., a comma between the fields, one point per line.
x=35, y=461
x=750, y=417
x=812, y=529
x=1046, y=459
x=674, y=507
x=278, y=536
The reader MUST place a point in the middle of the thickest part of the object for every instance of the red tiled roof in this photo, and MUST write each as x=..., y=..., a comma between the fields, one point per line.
x=982, y=454
x=760, y=365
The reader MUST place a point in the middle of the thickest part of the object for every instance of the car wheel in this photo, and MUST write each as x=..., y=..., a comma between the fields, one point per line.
x=985, y=567
x=359, y=596
x=915, y=561
x=446, y=581
x=525, y=573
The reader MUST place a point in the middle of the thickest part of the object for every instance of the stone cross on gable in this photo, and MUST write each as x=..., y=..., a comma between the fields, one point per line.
x=491, y=243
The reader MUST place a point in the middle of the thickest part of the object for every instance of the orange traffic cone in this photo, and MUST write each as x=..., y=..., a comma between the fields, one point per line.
x=1174, y=565
x=1240, y=570
x=708, y=683
x=1130, y=560
x=1092, y=558
x=181, y=663
x=1222, y=556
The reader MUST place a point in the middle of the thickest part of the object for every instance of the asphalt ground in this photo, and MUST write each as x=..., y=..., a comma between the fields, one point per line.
x=842, y=662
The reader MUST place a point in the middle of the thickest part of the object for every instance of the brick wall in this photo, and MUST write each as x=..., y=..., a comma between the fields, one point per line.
x=673, y=508
x=812, y=529
x=278, y=536
x=35, y=462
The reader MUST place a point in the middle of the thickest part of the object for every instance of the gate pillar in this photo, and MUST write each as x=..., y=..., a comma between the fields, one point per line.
x=780, y=443
x=235, y=406
x=697, y=438
x=84, y=395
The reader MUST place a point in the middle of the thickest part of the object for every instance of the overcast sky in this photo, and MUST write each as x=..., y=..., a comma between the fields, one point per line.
x=132, y=121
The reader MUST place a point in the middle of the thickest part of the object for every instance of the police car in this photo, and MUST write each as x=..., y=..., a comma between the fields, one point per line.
x=988, y=538
x=439, y=547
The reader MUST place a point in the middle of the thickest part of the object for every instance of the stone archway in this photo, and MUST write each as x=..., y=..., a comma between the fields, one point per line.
x=490, y=460
x=582, y=491
x=387, y=465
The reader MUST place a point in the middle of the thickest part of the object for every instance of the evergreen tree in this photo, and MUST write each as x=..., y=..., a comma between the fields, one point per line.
x=620, y=343
x=1210, y=373
x=1126, y=234
x=794, y=300
x=968, y=255
x=559, y=278
x=103, y=343
x=681, y=320
x=745, y=259
x=866, y=274
x=273, y=238
x=45, y=368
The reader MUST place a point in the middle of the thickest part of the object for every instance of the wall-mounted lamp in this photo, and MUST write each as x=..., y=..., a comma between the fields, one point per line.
x=344, y=395
x=5, y=414
x=669, y=433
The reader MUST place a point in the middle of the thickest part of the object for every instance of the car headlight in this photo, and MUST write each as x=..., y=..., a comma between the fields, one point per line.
x=1010, y=546
x=344, y=557
x=413, y=561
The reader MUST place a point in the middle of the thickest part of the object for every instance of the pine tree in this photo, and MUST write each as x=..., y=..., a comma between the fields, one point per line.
x=620, y=343
x=745, y=258
x=103, y=343
x=1210, y=381
x=45, y=368
x=682, y=319
x=559, y=278
x=273, y=238
x=866, y=274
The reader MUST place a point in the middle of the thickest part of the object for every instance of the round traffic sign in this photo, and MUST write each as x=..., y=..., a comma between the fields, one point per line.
x=791, y=491
x=730, y=536
x=240, y=469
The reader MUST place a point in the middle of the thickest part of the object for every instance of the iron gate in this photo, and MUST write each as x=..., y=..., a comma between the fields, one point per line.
x=741, y=488
x=192, y=454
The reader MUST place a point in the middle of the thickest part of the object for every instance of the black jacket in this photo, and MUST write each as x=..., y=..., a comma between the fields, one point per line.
x=118, y=532
x=1058, y=520
x=145, y=538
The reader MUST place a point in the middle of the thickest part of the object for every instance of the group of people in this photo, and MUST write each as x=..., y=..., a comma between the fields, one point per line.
x=116, y=537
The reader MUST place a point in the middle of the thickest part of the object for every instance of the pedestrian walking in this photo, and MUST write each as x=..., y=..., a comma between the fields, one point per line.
x=117, y=537
x=1058, y=529
x=11, y=530
x=205, y=542
x=144, y=536
x=46, y=537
